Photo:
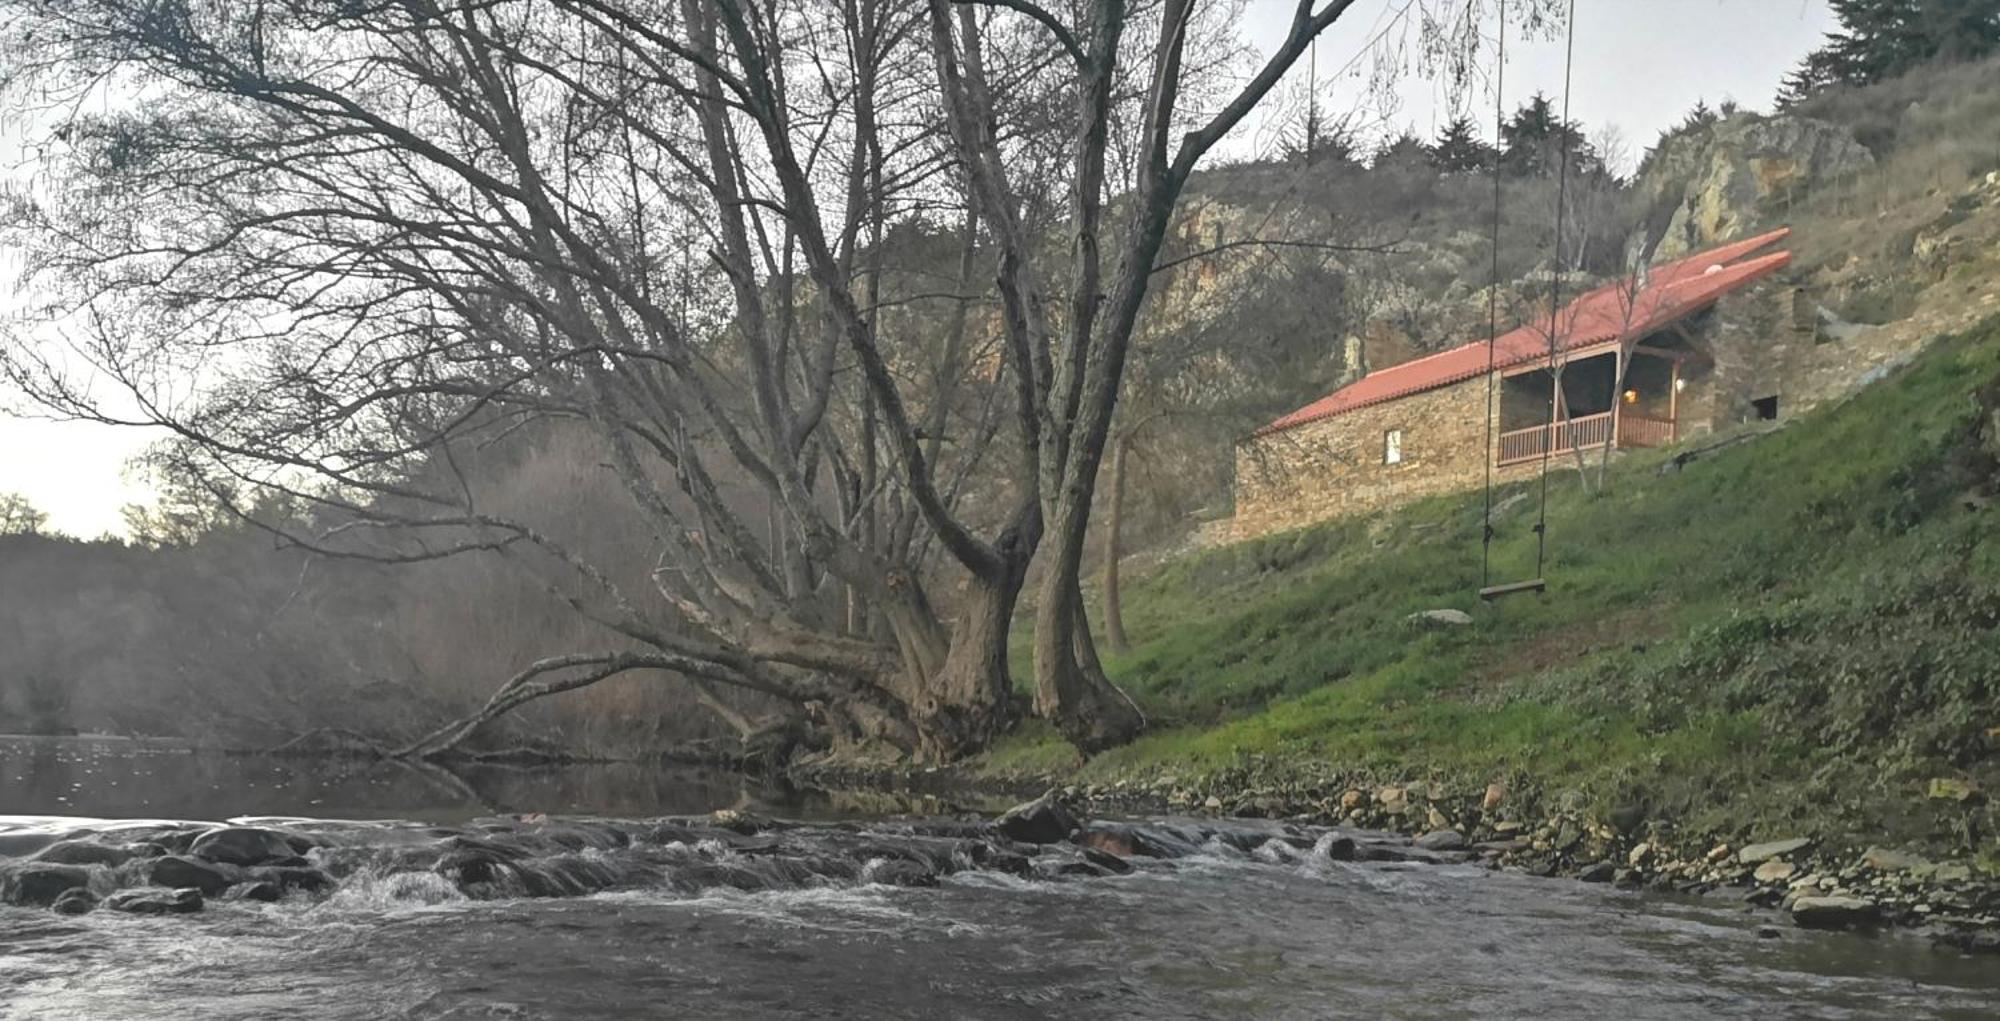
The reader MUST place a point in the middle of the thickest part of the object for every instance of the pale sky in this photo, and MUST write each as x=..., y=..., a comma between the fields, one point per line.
x=1640, y=64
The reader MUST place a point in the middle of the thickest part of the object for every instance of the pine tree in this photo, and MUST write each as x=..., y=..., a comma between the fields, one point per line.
x=1880, y=39
x=1459, y=148
x=1535, y=141
x=1405, y=150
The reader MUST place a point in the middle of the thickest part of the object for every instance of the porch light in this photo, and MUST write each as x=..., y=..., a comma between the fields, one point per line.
x=1631, y=396
x=1680, y=384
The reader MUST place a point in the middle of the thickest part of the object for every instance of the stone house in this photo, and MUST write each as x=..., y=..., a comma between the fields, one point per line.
x=1702, y=342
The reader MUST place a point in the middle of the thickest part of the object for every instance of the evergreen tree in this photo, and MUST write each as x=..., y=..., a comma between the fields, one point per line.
x=1405, y=150
x=1535, y=141
x=1460, y=150
x=1880, y=39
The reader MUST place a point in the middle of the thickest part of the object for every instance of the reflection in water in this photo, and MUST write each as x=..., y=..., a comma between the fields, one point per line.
x=135, y=779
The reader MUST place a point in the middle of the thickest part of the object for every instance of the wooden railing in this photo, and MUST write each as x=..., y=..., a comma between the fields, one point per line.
x=1587, y=432
x=1640, y=431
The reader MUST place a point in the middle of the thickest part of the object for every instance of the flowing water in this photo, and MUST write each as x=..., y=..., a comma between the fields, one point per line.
x=463, y=909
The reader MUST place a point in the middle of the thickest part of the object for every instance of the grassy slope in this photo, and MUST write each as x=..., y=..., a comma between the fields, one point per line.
x=1798, y=630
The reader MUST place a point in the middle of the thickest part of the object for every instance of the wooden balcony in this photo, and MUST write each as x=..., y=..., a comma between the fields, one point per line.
x=1588, y=432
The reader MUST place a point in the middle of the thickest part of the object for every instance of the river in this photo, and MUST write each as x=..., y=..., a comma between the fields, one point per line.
x=807, y=922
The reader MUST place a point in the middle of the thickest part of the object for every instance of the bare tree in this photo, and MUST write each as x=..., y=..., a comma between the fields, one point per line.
x=342, y=249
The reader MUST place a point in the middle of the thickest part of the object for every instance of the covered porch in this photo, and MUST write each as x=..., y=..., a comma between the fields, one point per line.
x=1624, y=395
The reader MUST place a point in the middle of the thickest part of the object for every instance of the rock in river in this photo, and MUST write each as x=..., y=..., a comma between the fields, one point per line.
x=155, y=900
x=38, y=884
x=1835, y=913
x=176, y=871
x=82, y=852
x=74, y=902
x=1041, y=821
x=242, y=845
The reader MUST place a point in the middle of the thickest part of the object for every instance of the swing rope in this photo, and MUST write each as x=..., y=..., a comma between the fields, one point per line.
x=1493, y=298
x=1555, y=293
x=1487, y=588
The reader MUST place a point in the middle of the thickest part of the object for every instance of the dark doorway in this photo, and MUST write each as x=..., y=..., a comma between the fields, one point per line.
x=1767, y=408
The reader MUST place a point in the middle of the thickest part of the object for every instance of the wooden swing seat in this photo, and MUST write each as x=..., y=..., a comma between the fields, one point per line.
x=1492, y=592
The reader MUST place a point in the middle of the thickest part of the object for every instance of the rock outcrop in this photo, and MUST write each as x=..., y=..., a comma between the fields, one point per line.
x=1715, y=184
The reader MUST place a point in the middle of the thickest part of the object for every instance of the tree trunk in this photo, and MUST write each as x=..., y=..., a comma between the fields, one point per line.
x=1114, y=610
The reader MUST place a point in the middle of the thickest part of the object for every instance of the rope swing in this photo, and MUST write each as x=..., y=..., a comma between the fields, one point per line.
x=1487, y=590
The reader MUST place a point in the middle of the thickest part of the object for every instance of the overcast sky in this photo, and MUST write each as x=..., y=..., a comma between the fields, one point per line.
x=1640, y=64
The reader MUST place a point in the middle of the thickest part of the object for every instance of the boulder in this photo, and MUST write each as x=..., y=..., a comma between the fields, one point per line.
x=901, y=872
x=261, y=890
x=1882, y=859
x=1754, y=854
x=1044, y=820
x=1440, y=618
x=293, y=877
x=1108, y=862
x=742, y=822
x=1774, y=871
x=83, y=852
x=1600, y=872
x=1339, y=848
x=177, y=871
x=1443, y=840
x=39, y=884
x=1835, y=912
x=242, y=845
x=78, y=901
x=1496, y=793
x=155, y=900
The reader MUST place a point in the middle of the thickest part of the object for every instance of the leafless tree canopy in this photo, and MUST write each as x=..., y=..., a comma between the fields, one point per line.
x=347, y=250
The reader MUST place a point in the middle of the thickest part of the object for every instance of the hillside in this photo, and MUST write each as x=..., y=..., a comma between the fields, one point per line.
x=1796, y=632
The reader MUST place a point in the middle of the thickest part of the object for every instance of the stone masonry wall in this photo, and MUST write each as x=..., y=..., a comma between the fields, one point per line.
x=1334, y=468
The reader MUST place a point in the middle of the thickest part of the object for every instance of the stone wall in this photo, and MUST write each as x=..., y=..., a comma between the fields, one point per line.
x=1334, y=467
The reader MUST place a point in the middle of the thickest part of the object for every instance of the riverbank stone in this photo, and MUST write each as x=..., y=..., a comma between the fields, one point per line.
x=1756, y=854
x=155, y=900
x=1774, y=871
x=1835, y=912
x=1443, y=840
x=1883, y=859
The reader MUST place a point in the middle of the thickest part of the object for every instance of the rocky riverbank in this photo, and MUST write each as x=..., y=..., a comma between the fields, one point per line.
x=1809, y=880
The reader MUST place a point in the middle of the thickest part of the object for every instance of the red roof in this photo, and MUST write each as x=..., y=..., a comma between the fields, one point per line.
x=1673, y=291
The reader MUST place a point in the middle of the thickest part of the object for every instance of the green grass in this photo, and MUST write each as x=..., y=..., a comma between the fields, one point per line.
x=1799, y=627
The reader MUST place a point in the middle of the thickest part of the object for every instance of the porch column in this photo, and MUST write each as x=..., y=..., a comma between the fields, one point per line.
x=1674, y=403
x=1617, y=392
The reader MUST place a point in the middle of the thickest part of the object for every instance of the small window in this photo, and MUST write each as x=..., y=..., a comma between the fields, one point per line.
x=1767, y=408
x=1392, y=447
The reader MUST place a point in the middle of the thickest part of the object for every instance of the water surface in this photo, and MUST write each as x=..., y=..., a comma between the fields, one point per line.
x=1268, y=932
